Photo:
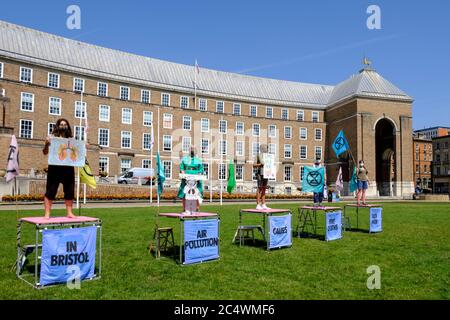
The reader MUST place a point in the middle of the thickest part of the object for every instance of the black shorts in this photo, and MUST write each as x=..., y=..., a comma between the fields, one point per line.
x=57, y=175
x=262, y=183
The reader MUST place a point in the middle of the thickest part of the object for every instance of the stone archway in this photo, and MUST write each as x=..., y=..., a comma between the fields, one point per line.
x=385, y=157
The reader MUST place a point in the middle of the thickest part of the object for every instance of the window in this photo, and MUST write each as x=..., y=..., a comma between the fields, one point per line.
x=284, y=114
x=220, y=107
x=300, y=115
x=240, y=148
x=272, y=149
x=148, y=118
x=253, y=111
x=255, y=129
x=78, y=85
x=315, y=116
x=269, y=112
x=255, y=149
x=167, y=143
x=239, y=172
x=318, y=152
x=186, y=144
x=417, y=146
x=237, y=109
x=145, y=96
x=103, y=137
x=187, y=123
x=53, y=80
x=203, y=105
x=103, y=164
x=26, y=75
x=50, y=127
x=287, y=173
x=167, y=169
x=167, y=121
x=102, y=89
x=80, y=110
x=184, y=102
x=27, y=102
x=303, y=152
x=127, y=115
x=54, y=106
x=417, y=168
x=146, y=163
x=124, y=93
x=125, y=164
x=288, y=151
x=223, y=147
x=147, y=141
x=272, y=131
x=287, y=132
x=254, y=171
x=206, y=171
x=26, y=129
x=239, y=128
x=103, y=113
x=205, y=146
x=1, y=69
x=204, y=125
x=288, y=190
x=79, y=133
x=318, y=134
x=126, y=139
x=222, y=171
x=223, y=126
x=302, y=172
x=165, y=99
x=303, y=133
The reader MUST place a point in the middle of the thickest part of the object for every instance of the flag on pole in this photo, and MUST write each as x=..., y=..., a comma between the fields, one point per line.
x=353, y=181
x=161, y=176
x=339, y=181
x=340, y=144
x=12, y=169
x=152, y=141
x=231, y=178
x=87, y=177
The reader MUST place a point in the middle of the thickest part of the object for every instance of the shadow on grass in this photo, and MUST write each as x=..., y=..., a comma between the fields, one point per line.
x=357, y=230
x=249, y=242
x=308, y=235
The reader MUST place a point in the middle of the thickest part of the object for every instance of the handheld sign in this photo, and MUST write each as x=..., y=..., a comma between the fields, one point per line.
x=67, y=152
x=270, y=170
x=313, y=179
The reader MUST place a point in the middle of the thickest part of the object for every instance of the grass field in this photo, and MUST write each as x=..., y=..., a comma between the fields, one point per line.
x=413, y=253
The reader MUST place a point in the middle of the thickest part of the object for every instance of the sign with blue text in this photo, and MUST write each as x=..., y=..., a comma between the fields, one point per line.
x=68, y=254
x=67, y=152
x=333, y=225
x=375, y=220
x=280, y=233
x=201, y=240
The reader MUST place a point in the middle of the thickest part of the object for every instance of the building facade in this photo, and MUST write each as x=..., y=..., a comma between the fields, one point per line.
x=434, y=132
x=423, y=160
x=123, y=103
x=441, y=165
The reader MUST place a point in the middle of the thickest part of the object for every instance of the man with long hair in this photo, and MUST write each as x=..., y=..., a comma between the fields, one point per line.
x=59, y=174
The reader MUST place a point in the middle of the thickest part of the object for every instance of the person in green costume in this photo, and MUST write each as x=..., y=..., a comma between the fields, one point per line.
x=190, y=165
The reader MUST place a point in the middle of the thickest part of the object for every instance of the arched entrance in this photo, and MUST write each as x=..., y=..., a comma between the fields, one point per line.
x=385, y=157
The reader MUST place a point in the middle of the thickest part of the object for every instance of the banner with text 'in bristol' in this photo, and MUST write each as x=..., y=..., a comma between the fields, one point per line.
x=333, y=225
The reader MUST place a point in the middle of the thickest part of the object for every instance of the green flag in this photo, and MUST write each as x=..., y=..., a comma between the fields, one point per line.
x=353, y=181
x=160, y=175
x=231, y=178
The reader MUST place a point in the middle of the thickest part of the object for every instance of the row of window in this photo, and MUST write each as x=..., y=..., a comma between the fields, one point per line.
x=426, y=169
x=125, y=164
x=26, y=76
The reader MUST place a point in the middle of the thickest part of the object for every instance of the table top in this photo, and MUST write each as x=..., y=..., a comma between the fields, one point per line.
x=364, y=205
x=321, y=208
x=265, y=211
x=58, y=220
x=188, y=216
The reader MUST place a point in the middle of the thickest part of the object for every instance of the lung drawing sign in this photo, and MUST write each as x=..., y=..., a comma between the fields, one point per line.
x=67, y=152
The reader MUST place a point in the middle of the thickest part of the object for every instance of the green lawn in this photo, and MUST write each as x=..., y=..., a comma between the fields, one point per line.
x=413, y=253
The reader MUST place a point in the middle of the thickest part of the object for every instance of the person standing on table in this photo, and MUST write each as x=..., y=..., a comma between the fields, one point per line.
x=59, y=174
x=190, y=165
x=363, y=183
x=318, y=196
x=262, y=183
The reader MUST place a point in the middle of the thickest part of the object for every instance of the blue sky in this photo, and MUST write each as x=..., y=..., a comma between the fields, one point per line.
x=320, y=41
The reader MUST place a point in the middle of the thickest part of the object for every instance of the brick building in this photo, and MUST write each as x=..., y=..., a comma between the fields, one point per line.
x=441, y=165
x=126, y=97
x=423, y=160
x=434, y=132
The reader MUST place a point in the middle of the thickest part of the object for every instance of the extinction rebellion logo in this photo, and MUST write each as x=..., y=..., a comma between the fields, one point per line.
x=314, y=178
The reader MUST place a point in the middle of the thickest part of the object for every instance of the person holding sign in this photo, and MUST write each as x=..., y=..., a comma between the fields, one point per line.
x=363, y=183
x=191, y=165
x=262, y=181
x=318, y=195
x=59, y=174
